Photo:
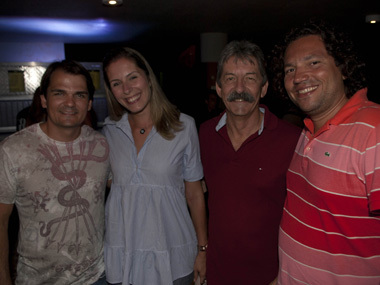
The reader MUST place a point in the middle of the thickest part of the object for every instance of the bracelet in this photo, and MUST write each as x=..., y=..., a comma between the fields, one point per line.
x=202, y=247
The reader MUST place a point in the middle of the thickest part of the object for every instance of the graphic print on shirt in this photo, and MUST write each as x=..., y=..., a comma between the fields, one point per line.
x=75, y=209
x=39, y=201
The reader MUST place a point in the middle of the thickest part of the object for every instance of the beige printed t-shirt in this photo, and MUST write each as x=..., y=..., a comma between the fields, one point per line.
x=58, y=189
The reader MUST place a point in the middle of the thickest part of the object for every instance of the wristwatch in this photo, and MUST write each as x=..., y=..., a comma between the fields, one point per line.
x=202, y=247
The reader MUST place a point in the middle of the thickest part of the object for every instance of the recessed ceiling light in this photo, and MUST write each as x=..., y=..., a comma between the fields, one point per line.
x=372, y=19
x=112, y=2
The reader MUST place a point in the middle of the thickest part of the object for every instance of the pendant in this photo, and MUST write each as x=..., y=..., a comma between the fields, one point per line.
x=142, y=131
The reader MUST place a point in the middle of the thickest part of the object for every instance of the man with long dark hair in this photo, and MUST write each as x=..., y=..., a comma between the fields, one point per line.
x=330, y=229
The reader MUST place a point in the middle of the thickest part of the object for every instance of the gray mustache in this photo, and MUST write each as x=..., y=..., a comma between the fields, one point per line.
x=240, y=96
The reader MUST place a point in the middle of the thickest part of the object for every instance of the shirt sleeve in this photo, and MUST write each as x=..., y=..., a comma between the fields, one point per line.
x=193, y=170
x=372, y=171
x=7, y=178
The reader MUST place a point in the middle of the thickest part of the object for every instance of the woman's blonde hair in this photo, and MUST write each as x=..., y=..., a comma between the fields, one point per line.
x=165, y=115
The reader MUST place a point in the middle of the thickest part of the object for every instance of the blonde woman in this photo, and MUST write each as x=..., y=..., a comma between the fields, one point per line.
x=151, y=238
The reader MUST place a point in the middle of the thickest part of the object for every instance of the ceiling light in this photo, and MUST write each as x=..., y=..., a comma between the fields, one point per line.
x=112, y=2
x=372, y=19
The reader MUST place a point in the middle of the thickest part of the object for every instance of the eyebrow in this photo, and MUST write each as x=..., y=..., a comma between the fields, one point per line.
x=306, y=58
x=132, y=72
x=82, y=92
x=65, y=91
x=311, y=56
x=248, y=73
x=128, y=75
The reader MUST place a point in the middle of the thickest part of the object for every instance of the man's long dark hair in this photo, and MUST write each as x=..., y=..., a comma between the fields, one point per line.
x=337, y=44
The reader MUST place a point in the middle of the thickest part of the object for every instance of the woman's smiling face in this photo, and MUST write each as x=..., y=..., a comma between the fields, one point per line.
x=129, y=84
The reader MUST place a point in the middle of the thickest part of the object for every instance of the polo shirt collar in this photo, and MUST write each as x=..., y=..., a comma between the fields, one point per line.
x=223, y=120
x=345, y=112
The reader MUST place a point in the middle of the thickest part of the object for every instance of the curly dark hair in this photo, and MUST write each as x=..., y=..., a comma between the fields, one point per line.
x=337, y=44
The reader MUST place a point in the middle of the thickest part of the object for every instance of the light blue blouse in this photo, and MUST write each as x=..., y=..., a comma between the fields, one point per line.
x=150, y=237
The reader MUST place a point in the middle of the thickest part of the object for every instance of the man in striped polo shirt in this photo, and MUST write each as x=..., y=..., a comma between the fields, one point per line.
x=330, y=229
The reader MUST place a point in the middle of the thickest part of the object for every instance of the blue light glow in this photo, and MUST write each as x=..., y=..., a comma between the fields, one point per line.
x=68, y=30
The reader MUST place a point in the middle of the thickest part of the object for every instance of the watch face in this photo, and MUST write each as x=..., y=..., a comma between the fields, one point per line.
x=202, y=247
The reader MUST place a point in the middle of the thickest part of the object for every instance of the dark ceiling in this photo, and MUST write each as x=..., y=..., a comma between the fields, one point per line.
x=179, y=19
x=162, y=30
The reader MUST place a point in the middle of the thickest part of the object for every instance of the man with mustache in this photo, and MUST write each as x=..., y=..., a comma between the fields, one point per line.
x=55, y=173
x=245, y=154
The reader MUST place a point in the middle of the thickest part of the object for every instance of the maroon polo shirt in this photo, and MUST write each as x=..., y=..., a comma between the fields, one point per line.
x=247, y=190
